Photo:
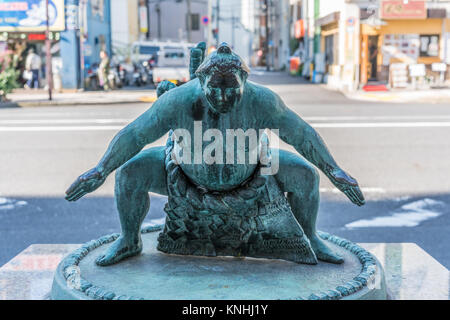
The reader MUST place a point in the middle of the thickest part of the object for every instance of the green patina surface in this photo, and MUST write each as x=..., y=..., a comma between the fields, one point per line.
x=219, y=208
x=153, y=275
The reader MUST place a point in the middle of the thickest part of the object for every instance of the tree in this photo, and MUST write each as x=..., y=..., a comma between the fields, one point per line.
x=8, y=79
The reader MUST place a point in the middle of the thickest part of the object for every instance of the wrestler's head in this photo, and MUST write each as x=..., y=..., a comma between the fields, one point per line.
x=222, y=76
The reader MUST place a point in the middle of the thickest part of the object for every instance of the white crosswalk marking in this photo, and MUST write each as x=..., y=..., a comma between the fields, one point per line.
x=105, y=124
x=409, y=215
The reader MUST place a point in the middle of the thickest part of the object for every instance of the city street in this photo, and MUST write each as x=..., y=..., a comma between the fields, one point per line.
x=399, y=153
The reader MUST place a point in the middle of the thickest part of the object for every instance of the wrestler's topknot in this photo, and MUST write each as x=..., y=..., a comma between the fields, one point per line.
x=224, y=61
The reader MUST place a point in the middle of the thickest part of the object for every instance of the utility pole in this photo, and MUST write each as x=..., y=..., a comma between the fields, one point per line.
x=209, y=27
x=82, y=27
x=233, y=20
x=147, y=5
x=158, y=13
x=48, y=54
x=266, y=44
x=189, y=20
x=217, y=23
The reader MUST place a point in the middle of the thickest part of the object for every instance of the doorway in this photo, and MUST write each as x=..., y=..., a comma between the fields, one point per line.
x=373, y=58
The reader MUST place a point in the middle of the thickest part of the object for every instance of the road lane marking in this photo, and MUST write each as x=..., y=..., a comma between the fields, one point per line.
x=359, y=118
x=62, y=128
x=364, y=190
x=10, y=204
x=329, y=119
x=409, y=215
x=380, y=124
x=330, y=125
x=64, y=121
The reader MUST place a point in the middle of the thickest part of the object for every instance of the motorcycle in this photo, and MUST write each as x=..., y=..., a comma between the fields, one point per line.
x=92, y=81
x=148, y=67
x=114, y=79
x=140, y=76
x=123, y=76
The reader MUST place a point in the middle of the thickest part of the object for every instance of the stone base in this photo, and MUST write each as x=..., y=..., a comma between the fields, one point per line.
x=155, y=275
x=410, y=272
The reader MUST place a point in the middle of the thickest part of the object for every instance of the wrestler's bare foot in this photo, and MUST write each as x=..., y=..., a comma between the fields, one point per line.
x=323, y=252
x=121, y=248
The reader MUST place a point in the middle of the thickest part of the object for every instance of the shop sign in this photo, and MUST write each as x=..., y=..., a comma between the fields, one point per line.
x=417, y=70
x=329, y=18
x=299, y=29
x=36, y=36
x=143, y=20
x=30, y=15
x=446, y=48
x=351, y=24
x=438, y=67
x=399, y=9
x=72, y=17
x=87, y=50
x=400, y=47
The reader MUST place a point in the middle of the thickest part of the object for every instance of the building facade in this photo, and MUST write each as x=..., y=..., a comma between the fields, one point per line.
x=125, y=26
x=234, y=22
x=401, y=41
x=79, y=30
x=179, y=20
x=349, y=43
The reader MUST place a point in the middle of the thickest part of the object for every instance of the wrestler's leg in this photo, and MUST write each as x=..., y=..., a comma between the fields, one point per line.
x=300, y=180
x=143, y=173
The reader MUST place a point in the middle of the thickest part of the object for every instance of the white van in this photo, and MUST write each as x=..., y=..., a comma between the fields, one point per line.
x=170, y=60
x=146, y=50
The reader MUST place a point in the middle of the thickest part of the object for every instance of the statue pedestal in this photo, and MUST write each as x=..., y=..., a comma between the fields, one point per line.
x=155, y=275
x=410, y=273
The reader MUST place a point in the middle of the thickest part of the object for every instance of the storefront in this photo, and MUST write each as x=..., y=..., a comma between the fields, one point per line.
x=23, y=24
x=327, y=62
x=338, y=59
x=22, y=28
x=403, y=43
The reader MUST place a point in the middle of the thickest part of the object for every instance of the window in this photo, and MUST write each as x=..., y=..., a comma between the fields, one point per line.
x=148, y=49
x=174, y=55
x=195, y=22
x=329, y=49
x=429, y=45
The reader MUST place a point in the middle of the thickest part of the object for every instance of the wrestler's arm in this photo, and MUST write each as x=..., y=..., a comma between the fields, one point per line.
x=296, y=132
x=129, y=141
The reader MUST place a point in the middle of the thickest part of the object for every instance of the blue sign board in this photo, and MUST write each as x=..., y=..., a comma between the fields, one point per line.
x=30, y=15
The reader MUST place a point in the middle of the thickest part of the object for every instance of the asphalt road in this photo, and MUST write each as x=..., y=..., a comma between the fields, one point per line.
x=399, y=154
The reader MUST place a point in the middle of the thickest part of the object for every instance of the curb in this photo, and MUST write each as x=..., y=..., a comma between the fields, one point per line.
x=399, y=97
x=373, y=98
x=47, y=103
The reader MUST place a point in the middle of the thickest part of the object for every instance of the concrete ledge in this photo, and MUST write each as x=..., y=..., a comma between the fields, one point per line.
x=410, y=272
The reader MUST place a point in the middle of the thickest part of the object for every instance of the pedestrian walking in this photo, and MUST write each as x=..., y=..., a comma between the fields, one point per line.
x=32, y=66
x=103, y=70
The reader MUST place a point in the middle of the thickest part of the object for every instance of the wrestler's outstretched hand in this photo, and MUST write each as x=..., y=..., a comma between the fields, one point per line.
x=84, y=184
x=348, y=185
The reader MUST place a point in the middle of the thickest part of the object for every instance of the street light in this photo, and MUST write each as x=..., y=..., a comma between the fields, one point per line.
x=48, y=53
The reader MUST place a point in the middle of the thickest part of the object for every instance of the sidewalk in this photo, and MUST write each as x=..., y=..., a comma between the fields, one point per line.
x=403, y=96
x=30, y=98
